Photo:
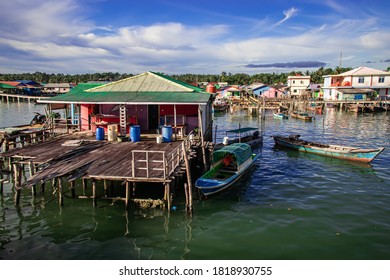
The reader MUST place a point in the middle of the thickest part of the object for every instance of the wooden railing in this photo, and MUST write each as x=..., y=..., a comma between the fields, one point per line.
x=159, y=164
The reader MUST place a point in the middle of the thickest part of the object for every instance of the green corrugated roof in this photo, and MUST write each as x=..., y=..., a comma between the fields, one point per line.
x=84, y=86
x=169, y=91
x=131, y=98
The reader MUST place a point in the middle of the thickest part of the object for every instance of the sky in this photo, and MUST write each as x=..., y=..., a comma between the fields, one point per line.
x=192, y=36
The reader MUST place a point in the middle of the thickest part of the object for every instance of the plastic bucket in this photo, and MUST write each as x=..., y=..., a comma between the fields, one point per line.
x=135, y=133
x=100, y=133
x=167, y=133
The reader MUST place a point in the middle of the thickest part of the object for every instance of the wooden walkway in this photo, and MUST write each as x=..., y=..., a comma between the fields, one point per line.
x=71, y=157
x=82, y=157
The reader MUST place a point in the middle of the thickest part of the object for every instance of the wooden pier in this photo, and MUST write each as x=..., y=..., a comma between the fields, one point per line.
x=67, y=158
x=13, y=97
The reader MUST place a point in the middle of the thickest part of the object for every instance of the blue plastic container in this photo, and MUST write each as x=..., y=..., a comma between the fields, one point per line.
x=167, y=133
x=100, y=133
x=135, y=133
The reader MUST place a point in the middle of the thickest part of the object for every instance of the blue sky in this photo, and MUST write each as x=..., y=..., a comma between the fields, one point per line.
x=194, y=36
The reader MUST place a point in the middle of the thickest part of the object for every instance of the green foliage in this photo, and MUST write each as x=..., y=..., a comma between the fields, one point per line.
x=231, y=79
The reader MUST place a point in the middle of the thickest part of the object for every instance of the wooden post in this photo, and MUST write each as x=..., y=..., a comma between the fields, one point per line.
x=168, y=195
x=127, y=195
x=59, y=191
x=84, y=183
x=94, y=193
x=32, y=171
x=72, y=188
x=200, y=121
x=105, y=187
x=1, y=176
x=17, y=182
x=189, y=181
x=43, y=187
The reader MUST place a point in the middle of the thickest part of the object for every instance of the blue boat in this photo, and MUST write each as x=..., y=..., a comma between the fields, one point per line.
x=336, y=151
x=229, y=164
x=280, y=116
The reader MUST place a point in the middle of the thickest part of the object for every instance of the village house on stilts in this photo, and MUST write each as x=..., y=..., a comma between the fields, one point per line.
x=147, y=129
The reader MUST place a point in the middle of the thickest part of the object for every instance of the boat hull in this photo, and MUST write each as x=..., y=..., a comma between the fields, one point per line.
x=340, y=152
x=210, y=186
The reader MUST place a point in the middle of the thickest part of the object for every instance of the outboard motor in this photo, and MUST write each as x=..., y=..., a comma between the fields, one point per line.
x=255, y=135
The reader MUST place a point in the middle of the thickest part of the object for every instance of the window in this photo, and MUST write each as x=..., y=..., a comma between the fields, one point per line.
x=293, y=82
x=301, y=82
x=381, y=79
x=361, y=80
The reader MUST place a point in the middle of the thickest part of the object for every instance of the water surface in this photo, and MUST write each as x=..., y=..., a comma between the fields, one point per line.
x=289, y=206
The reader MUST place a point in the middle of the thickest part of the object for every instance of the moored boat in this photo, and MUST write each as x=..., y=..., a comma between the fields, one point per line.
x=280, y=116
x=301, y=116
x=336, y=151
x=248, y=135
x=229, y=164
x=356, y=108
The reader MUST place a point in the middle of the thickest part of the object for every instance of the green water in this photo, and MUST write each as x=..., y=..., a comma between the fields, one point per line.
x=289, y=206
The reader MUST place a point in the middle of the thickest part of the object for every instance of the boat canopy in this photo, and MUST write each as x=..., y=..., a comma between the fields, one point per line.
x=241, y=130
x=240, y=151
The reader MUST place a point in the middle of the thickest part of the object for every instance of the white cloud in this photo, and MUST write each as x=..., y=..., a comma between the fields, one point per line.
x=48, y=35
x=287, y=15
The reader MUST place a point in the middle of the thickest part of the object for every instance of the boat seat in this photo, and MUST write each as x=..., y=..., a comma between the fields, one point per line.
x=228, y=171
x=229, y=168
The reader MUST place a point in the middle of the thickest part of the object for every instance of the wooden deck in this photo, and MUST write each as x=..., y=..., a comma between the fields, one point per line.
x=81, y=157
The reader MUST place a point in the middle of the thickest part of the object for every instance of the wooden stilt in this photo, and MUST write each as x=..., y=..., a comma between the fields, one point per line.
x=189, y=181
x=59, y=191
x=127, y=201
x=200, y=123
x=1, y=176
x=84, y=182
x=133, y=188
x=17, y=182
x=53, y=184
x=94, y=193
x=168, y=195
x=32, y=170
x=72, y=188
x=43, y=187
x=105, y=188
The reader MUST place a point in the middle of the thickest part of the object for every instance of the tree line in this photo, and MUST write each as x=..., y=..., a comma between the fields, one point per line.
x=231, y=79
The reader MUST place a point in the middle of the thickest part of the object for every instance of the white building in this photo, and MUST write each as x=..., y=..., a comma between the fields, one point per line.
x=298, y=84
x=56, y=88
x=358, y=84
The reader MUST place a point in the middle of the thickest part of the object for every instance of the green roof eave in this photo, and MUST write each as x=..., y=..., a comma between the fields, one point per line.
x=130, y=98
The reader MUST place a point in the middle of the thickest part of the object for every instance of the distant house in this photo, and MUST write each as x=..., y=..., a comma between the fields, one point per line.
x=358, y=84
x=298, y=85
x=274, y=92
x=56, y=88
x=314, y=90
x=259, y=90
x=150, y=100
x=21, y=87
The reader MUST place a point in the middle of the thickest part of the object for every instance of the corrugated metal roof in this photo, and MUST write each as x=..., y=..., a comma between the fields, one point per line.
x=118, y=97
x=361, y=71
x=147, y=88
x=148, y=81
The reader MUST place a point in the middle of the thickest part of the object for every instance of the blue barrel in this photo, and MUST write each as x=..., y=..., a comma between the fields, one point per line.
x=167, y=133
x=100, y=133
x=135, y=133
